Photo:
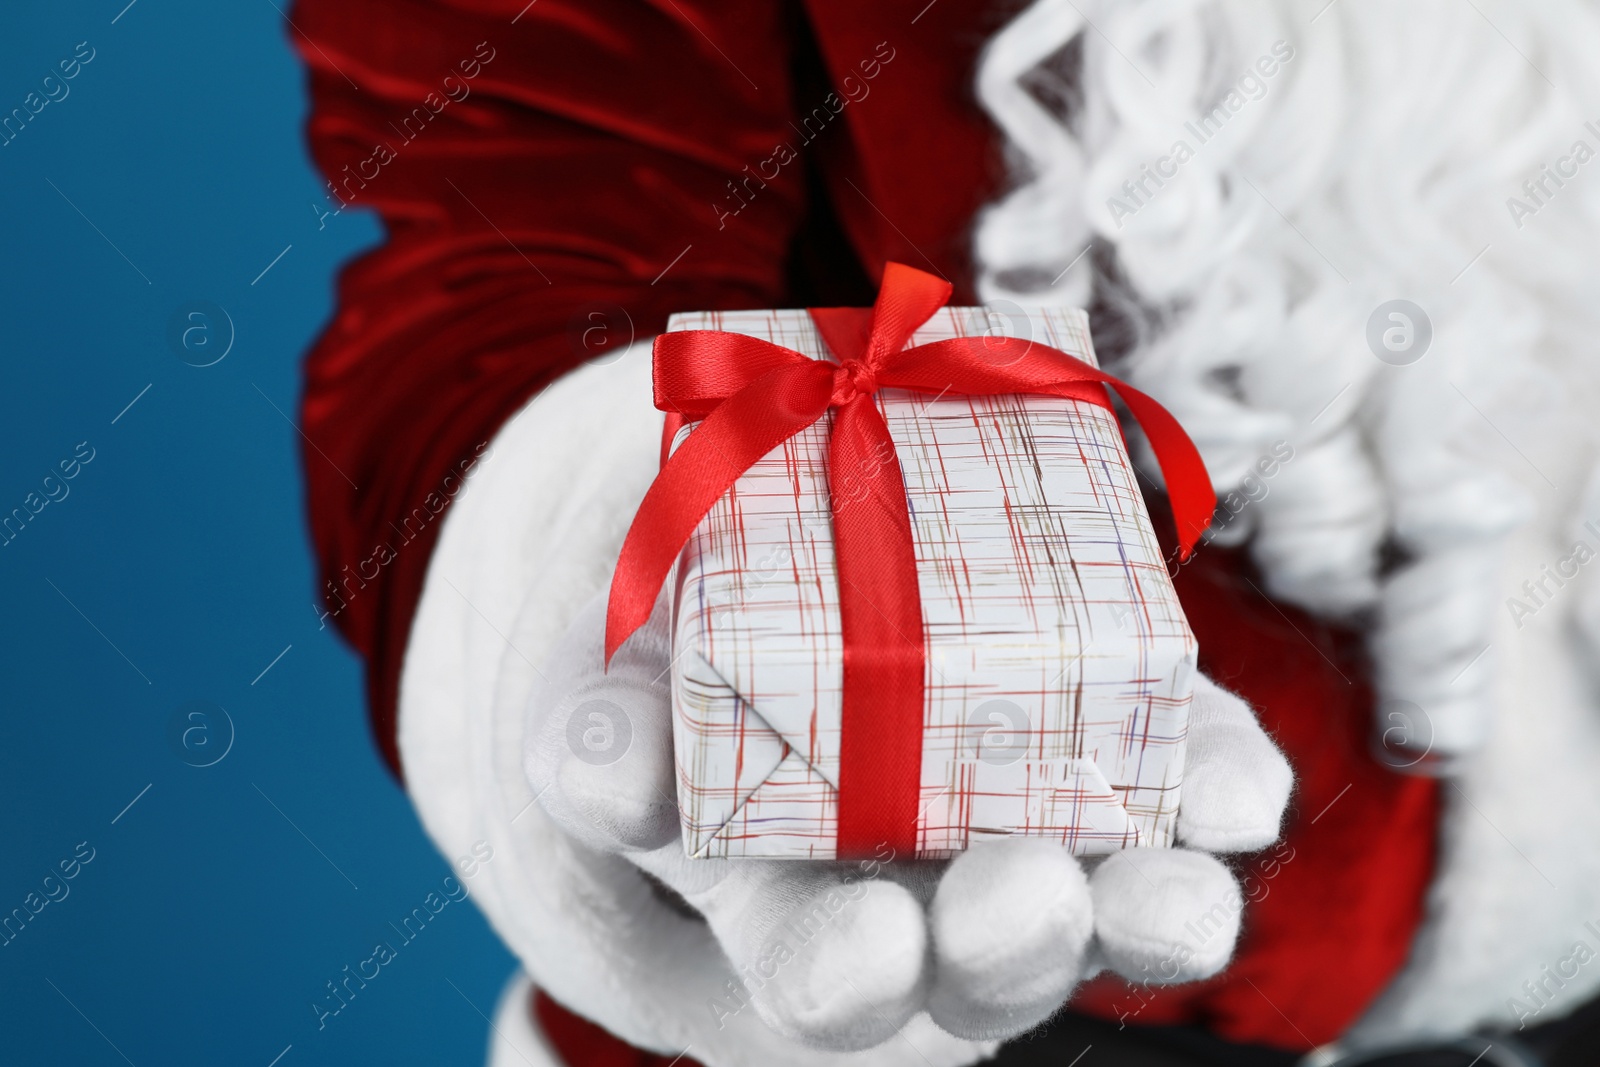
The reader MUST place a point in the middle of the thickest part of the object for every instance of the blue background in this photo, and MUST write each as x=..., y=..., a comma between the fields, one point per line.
x=175, y=569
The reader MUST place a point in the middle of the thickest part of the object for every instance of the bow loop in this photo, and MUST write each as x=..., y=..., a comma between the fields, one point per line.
x=907, y=299
x=694, y=371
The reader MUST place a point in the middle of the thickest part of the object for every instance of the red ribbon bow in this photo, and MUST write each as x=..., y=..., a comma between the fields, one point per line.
x=753, y=396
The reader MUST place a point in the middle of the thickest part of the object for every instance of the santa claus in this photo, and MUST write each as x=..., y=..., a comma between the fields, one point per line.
x=1345, y=242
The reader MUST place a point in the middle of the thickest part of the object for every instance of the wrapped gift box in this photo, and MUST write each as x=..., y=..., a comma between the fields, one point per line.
x=1059, y=662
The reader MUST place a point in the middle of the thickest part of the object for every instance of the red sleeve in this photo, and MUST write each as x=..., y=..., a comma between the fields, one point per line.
x=531, y=163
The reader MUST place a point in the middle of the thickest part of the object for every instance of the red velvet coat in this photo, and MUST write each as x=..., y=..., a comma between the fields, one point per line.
x=534, y=163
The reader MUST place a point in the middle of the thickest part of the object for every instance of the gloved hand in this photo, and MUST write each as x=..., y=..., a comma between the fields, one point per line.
x=842, y=955
x=523, y=550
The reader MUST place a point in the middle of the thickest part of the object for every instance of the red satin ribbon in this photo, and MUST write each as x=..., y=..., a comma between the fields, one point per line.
x=752, y=396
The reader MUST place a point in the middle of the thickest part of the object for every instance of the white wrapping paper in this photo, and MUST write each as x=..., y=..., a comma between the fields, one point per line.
x=1059, y=665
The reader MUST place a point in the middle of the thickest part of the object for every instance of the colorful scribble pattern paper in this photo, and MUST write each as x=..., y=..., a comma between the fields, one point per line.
x=1060, y=664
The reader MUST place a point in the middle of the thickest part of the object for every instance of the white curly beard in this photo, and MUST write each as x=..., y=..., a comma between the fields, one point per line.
x=1384, y=157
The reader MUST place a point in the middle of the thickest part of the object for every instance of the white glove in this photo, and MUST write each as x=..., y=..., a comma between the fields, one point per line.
x=528, y=543
x=842, y=955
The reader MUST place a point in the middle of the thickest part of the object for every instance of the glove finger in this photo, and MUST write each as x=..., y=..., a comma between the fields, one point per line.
x=1011, y=924
x=600, y=753
x=1236, y=784
x=830, y=955
x=1165, y=915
